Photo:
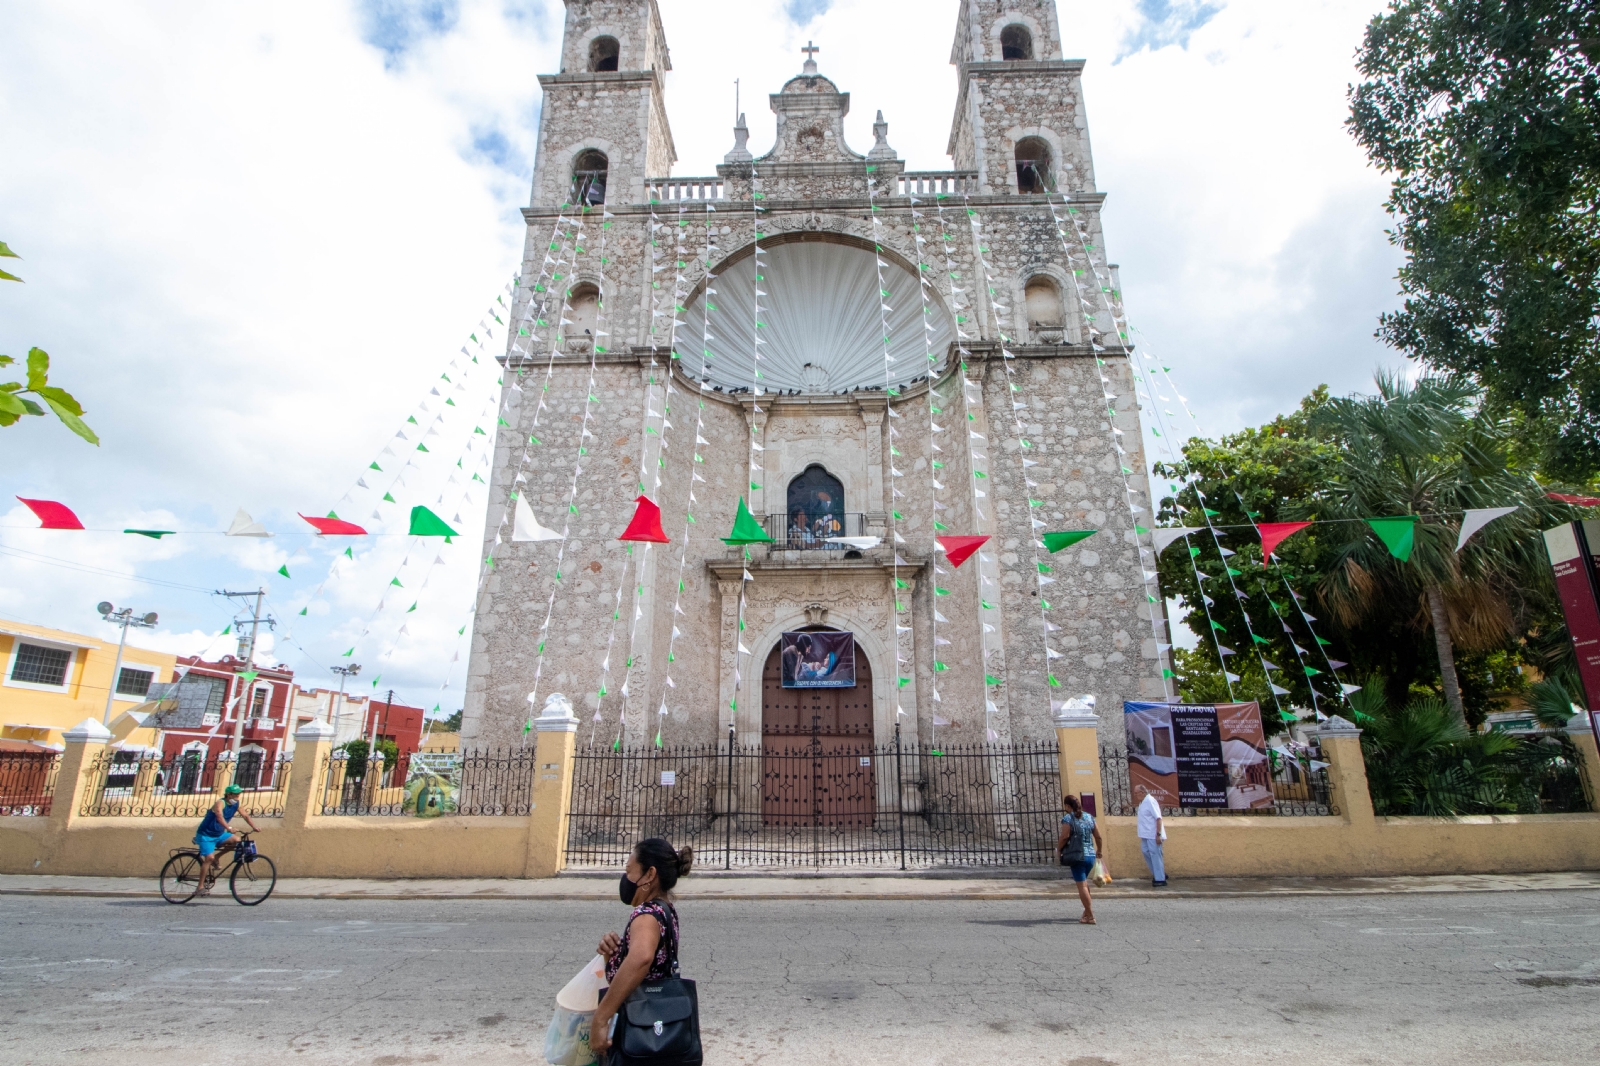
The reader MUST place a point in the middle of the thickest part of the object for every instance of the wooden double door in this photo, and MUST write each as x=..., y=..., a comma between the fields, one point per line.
x=818, y=763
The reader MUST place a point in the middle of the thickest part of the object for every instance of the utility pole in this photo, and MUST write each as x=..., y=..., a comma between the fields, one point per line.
x=345, y=673
x=256, y=622
x=125, y=619
x=372, y=745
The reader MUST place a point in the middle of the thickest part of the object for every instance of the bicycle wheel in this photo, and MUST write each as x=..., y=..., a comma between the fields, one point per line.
x=180, y=877
x=252, y=882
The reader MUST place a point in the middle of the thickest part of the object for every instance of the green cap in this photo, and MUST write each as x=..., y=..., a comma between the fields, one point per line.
x=232, y=790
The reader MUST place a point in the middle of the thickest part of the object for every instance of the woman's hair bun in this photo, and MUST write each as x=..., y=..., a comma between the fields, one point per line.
x=685, y=860
x=657, y=854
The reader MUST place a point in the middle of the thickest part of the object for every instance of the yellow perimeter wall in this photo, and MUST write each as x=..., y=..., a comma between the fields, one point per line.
x=42, y=715
x=305, y=844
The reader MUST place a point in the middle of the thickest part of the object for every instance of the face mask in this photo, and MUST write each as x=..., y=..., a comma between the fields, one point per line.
x=626, y=890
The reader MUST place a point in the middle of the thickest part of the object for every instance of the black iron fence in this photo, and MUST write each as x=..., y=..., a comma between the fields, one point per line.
x=496, y=782
x=27, y=782
x=832, y=801
x=345, y=793
x=1298, y=788
x=182, y=786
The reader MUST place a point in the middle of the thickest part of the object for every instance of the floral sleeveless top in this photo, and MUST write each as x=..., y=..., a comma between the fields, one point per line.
x=665, y=963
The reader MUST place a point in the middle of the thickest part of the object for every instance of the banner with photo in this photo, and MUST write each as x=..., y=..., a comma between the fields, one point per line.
x=819, y=660
x=1199, y=755
x=433, y=784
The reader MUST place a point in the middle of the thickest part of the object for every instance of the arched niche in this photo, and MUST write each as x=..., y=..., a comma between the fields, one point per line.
x=1035, y=166
x=590, y=170
x=816, y=505
x=1016, y=42
x=604, y=52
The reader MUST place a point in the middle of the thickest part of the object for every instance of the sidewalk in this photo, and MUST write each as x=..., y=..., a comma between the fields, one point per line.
x=753, y=886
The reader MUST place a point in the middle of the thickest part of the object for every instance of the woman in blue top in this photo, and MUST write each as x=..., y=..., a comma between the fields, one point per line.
x=214, y=833
x=1077, y=845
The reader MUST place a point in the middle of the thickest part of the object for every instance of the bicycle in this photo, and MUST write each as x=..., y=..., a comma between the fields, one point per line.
x=251, y=878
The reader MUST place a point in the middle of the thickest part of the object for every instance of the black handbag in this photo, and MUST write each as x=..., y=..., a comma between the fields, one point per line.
x=659, y=1024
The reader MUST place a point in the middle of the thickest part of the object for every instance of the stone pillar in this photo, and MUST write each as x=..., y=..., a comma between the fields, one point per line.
x=549, y=811
x=1582, y=733
x=77, y=775
x=1078, y=739
x=1340, y=741
x=312, y=743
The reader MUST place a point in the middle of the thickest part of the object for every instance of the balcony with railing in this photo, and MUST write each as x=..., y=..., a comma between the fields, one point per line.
x=789, y=534
x=917, y=183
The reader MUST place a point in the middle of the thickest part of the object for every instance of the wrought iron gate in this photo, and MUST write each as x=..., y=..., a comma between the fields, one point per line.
x=896, y=805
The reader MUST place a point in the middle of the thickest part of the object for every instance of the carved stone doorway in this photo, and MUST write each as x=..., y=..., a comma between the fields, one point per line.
x=817, y=749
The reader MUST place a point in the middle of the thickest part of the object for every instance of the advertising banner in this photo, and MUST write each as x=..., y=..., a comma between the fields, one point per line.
x=819, y=660
x=1572, y=555
x=1199, y=755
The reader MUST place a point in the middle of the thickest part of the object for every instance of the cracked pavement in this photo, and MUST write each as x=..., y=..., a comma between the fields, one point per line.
x=1503, y=977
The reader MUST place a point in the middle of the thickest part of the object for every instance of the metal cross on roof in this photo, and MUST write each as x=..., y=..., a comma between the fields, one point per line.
x=811, y=51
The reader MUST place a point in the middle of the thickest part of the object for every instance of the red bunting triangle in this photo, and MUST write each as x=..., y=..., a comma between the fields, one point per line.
x=335, y=527
x=959, y=549
x=53, y=515
x=1576, y=501
x=1275, y=533
x=646, y=524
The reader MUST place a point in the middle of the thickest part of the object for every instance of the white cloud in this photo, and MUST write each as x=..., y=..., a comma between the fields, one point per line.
x=252, y=240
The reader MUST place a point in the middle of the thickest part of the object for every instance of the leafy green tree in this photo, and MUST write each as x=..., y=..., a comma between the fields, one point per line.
x=1425, y=451
x=451, y=724
x=14, y=402
x=1487, y=114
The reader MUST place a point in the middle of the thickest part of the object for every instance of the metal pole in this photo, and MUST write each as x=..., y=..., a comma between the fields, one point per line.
x=246, y=698
x=727, y=842
x=900, y=795
x=116, y=671
x=372, y=745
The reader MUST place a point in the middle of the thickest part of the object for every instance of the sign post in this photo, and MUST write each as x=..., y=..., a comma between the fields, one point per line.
x=1572, y=550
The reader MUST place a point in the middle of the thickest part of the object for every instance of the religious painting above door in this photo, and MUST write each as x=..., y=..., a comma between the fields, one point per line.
x=816, y=507
x=819, y=660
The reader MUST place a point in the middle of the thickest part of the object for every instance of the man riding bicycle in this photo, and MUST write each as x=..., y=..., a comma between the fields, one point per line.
x=214, y=833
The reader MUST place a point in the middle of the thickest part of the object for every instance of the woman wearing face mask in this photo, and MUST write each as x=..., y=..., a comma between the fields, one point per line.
x=647, y=951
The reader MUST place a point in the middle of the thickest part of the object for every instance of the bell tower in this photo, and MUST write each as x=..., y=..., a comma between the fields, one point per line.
x=1019, y=119
x=604, y=128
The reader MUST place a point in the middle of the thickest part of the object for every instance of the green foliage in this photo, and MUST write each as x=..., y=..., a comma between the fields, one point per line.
x=1199, y=681
x=1422, y=761
x=1487, y=113
x=358, y=752
x=452, y=724
x=1556, y=698
x=14, y=403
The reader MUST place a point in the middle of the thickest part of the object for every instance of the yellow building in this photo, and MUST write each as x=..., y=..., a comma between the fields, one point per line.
x=54, y=679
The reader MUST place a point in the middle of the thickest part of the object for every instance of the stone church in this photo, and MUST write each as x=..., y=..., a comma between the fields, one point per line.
x=863, y=357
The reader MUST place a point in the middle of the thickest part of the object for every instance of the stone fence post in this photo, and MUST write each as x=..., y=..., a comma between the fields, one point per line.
x=75, y=775
x=1581, y=732
x=550, y=805
x=312, y=744
x=1347, y=771
x=1078, y=740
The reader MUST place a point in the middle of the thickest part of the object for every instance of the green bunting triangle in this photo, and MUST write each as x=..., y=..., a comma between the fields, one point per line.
x=349, y=553
x=1398, y=534
x=284, y=570
x=396, y=583
x=424, y=523
x=746, y=530
x=153, y=534
x=303, y=611
x=226, y=629
x=389, y=499
x=1054, y=542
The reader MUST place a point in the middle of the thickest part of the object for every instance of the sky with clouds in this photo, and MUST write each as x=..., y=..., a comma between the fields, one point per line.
x=254, y=237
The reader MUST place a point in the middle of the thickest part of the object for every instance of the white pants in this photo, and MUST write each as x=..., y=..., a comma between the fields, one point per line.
x=1152, y=858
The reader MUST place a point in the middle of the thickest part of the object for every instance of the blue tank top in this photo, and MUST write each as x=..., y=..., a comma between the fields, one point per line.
x=212, y=827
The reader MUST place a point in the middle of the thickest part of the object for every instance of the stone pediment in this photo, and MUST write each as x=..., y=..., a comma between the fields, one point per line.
x=811, y=113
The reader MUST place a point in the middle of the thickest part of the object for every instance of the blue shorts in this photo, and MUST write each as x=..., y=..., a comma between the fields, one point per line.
x=1080, y=870
x=208, y=844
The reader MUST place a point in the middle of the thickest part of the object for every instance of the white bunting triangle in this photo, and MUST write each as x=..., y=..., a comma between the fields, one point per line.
x=527, y=526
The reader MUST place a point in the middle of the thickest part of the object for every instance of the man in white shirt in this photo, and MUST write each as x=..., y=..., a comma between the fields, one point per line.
x=1152, y=831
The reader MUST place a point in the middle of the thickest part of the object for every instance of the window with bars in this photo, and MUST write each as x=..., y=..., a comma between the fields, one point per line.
x=258, y=705
x=134, y=682
x=38, y=665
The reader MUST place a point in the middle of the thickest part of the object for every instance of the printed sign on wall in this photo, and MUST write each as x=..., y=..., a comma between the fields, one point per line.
x=1572, y=550
x=819, y=660
x=1199, y=755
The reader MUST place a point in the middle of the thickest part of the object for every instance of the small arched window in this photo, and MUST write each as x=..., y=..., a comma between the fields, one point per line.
x=589, y=177
x=603, y=52
x=583, y=313
x=816, y=506
x=1034, y=173
x=1016, y=43
x=1043, y=300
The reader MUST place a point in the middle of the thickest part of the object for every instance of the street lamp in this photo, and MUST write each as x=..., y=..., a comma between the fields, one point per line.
x=345, y=674
x=124, y=618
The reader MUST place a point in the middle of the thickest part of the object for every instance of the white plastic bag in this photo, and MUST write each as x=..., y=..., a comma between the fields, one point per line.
x=566, y=1042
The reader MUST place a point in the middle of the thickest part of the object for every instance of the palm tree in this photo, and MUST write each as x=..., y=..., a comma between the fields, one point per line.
x=1428, y=450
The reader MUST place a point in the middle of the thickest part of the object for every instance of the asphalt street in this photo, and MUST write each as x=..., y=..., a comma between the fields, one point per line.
x=1503, y=977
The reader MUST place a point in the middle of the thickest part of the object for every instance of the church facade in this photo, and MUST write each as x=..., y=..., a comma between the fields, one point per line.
x=861, y=357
